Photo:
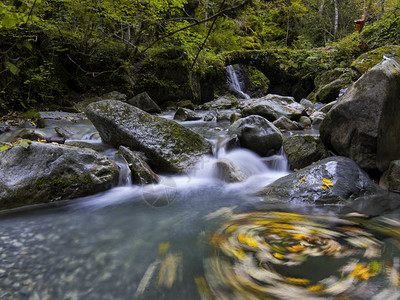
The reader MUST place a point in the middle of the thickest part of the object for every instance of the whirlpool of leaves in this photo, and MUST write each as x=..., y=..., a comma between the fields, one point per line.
x=279, y=255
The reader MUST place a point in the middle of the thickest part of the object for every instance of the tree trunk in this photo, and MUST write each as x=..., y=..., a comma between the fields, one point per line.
x=336, y=29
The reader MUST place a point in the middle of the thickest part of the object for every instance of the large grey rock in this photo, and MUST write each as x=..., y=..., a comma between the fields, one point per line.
x=272, y=107
x=221, y=103
x=49, y=172
x=140, y=170
x=365, y=125
x=303, y=150
x=347, y=180
x=169, y=146
x=144, y=102
x=257, y=134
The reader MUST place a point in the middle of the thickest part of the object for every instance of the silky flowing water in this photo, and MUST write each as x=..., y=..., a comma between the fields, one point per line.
x=197, y=237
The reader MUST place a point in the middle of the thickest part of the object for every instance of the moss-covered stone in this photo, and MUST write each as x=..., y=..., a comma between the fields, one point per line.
x=368, y=60
x=47, y=172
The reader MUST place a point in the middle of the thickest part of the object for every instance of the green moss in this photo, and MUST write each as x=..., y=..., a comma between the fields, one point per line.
x=56, y=184
x=368, y=60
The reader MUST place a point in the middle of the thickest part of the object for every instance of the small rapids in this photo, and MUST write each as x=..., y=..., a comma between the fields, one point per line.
x=196, y=237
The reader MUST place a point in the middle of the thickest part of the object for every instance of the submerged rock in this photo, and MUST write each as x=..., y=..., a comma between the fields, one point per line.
x=272, y=107
x=332, y=180
x=140, y=170
x=169, y=146
x=229, y=171
x=364, y=124
x=303, y=150
x=257, y=134
x=144, y=102
x=48, y=172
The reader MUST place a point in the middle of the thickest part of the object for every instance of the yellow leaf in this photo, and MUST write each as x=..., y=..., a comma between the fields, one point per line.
x=162, y=248
x=302, y=179
x=278, y=255
x=315, y=288
x=240, y=254
x=202, y=288
x=296, y=248
x=298, y=281
x=327, y=182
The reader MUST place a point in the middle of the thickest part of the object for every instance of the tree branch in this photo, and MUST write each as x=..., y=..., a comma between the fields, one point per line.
x=196, y=23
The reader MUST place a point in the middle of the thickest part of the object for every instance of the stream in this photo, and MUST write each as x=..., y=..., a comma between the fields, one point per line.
x=195, y=237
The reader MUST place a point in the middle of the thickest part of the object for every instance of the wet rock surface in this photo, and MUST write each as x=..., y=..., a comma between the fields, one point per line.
x=333, y=180
x=169, y=146
x=257, y=134
x=303, y=150
x=49, y=172
x=364, y=124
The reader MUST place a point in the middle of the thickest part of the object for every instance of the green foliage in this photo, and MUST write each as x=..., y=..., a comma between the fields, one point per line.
x=24, y=143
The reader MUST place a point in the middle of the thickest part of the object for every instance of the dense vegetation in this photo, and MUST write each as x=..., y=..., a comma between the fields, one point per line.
x=51, y=51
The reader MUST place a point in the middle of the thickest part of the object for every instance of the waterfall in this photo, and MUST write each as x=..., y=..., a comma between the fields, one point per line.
x=234, y=83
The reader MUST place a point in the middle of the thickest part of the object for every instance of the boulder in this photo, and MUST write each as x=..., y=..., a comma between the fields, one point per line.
x=364, y=124
x=228, y=171
x=221, y=103
x=303, y=150
x=330, y=92
x=169, y=146
x=257, y=134
x=48, y=172
x=185, y=114
x=272, y=107
x=317, y=117
x=144, y=102
x=367, y=60
x=391, y=178
x=304, y=122
x=140, y=170
x=284, y=123
x=306, y=103
x=333, y=180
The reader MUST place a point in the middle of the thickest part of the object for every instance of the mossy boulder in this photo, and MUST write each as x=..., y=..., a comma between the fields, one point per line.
x=364, y=124
x=329, y=84
x=140, y=170
x=49, y=172
x=333, y=180
x=144, y=102
x=185, y=114
x=368, y=60
x=169, y=146
x=303, y=150
x=391, y=178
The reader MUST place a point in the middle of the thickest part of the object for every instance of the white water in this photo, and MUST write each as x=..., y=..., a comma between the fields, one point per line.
x=234, y=83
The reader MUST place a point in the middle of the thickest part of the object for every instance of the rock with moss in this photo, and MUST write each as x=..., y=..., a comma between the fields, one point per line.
x=391, y=177
x=185, y=104
x=169, y=146
x=185, y=114
x=225, y=102
x=272, y=107
x=141, y=173
x=333, y=180
x=368, y=60
x=364, y=124
x=303, y=150
x=144, y=102
x=329, y=84
x=44, y=173
x=257, y=134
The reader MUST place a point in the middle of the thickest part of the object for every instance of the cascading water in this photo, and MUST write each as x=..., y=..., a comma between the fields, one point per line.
x=234, y=83
x=196, y=237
